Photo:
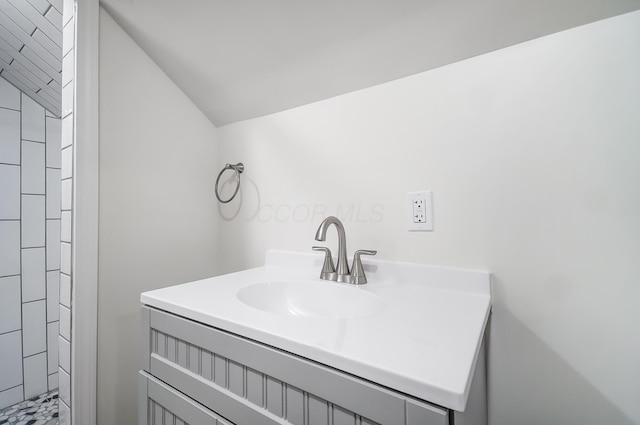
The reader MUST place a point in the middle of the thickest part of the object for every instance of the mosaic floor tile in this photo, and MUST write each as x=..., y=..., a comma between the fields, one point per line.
x=40, y=410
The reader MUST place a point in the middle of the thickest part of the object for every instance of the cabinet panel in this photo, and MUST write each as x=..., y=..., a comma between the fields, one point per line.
x=160, y=404
x=250, y=383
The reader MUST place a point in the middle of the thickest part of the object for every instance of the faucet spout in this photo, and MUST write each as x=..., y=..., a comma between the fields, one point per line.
x=342, y=267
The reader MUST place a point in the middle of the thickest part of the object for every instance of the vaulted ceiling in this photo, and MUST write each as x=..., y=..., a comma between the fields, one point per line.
x=243, y=59
x=31, y=49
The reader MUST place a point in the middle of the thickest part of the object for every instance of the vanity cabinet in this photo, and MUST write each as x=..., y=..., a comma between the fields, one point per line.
x=197, y=374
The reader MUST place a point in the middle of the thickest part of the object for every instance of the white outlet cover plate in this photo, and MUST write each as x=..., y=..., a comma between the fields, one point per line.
x=425, y=198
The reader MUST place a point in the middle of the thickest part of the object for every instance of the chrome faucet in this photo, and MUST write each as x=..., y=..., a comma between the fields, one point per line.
x=342, y=267
x=341, y=272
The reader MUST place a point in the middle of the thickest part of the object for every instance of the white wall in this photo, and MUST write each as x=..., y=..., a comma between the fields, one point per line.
x=158, y=216
x=533, y=155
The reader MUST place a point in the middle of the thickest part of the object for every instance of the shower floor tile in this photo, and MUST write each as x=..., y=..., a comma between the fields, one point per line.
x=40, y=410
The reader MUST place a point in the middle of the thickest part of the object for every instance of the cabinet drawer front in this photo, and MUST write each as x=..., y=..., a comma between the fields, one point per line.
x=160, y=404
x=251, y=383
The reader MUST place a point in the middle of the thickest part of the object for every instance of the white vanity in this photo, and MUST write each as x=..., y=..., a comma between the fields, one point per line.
x=277, y=345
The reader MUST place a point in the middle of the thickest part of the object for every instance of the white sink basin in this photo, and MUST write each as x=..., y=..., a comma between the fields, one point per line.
x=311, y=299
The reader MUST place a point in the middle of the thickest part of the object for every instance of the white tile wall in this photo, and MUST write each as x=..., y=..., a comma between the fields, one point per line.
x=53, y=192
x=9, y=136
x=9, y=95
x=32, y=120
x=65, y=226
x=67, y=68
x=65, y=322
x=65, y=290
x=33, y=274
x=10, y=308
x=65, y=258
x=9, y=248
x=64, y=353
x=64, y=381
x=53, y=296
x=53, y=244
x=30, y=162
x=34, y=327
x=53, y=381
x=33, y=167
x=33, y=220
x=11, y=360
x=9, y=191
x=67, y=131
x=52, y=347
x=65, y=195
x=54, y=133
x=67, y=38
x=11, y=396
x=64, y=413
x=35, y=375
x=67, y=165
x=67, y=100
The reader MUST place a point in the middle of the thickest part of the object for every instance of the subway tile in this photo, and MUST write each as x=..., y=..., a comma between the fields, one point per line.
x=67, y=162
x=53, y=381
x=9, y=95
x=34, y=327
x=65, y=258
x=9, y=136
x=55, y=17
x=67, y=131
x=64, y=350
x=54, y=142
x=35, y=375
x=32, y=120
x=11, y=396
x=53, y=296
x=53, y=193
x=68, y=34
x=64, y=413
x=68, y=11
x=11, y=360
x=65, y=322
x=65, y=290
x=52, y=347
x=9, y=248
x=33, y=221
x=67, y=100
x=64, y=385
x=65, y=194
x=10, y=304
x=65, y=226
x=68, y=68
x=33, y=167
x=33, y=274
x=57, y=4
x=9, y=191
x=53, y=244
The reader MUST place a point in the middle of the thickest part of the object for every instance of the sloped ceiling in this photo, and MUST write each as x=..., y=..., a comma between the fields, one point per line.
x=243, y=59
x=31, y=49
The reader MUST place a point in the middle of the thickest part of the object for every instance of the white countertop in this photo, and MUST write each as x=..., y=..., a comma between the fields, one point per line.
x=424, y=341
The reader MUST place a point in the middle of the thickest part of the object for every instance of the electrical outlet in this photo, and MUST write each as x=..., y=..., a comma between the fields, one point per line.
x=420, y=211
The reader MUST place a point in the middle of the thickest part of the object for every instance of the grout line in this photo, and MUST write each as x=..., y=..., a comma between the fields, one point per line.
x=21, y=288
x=8, y=332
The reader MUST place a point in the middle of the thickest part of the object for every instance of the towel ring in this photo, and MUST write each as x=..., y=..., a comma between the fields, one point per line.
x=238, y=169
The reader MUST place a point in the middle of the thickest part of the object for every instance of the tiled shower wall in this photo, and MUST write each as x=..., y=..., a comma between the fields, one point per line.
x=67, y=143
x=30, y=221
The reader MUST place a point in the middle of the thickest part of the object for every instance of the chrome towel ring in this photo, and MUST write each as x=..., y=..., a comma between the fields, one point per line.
x=237, y=169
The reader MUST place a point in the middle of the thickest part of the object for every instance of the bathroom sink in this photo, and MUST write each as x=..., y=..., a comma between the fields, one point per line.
x=311, y=299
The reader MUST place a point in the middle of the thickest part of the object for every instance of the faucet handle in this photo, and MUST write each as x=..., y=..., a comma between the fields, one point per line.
x=357, y=271
x=328, y=269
